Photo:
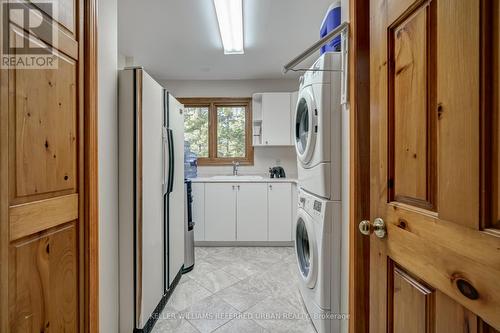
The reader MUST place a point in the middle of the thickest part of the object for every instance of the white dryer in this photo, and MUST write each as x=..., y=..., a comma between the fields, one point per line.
x=318, y=251
x=318, y=127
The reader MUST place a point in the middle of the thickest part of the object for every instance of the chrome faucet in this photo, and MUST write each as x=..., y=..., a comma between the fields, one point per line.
x=235, y=168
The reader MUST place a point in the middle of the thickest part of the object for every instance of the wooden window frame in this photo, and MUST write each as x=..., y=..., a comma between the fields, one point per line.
x=212, y=104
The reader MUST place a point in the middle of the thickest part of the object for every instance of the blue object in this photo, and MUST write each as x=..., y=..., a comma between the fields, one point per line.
x=190, y=162
x=330, y=22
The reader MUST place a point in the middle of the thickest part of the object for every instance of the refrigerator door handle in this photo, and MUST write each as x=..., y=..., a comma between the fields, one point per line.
x=166, y=159
x=171, y=161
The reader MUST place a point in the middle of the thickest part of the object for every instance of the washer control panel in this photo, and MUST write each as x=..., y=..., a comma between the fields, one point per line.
x=312, y=205
x=317, y=206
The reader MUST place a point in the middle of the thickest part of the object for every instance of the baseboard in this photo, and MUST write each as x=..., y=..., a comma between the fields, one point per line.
x=242, y=243
x=159, y=308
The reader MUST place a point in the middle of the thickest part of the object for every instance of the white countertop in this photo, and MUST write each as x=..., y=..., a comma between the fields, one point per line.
x=241, y=179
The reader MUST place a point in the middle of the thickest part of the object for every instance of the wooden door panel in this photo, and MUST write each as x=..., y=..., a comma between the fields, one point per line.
x=64, y=12
x=417, y=308
x=453, y=317
x=435, y=270
x=444, y=269
x=396, y=8
x=43, y=282
x=42, y=177
x=412, y=125
x=44, y=113
x=59, y=38
x=29, y=218
x=411, y=303
x=488, y=329
x=458, y=99
x=427, y=226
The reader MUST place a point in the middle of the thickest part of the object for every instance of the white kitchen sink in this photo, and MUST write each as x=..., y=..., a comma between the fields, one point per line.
x=237, y=178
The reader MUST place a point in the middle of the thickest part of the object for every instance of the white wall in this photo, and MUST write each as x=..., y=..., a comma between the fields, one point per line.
x=345, y=10
x=228, y=88
x=264, y=157
x=108, y=166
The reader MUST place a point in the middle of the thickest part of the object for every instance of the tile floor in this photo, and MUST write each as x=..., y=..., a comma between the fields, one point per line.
x=237, y=290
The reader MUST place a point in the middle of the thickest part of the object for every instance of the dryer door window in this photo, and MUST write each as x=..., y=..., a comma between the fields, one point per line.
x=302, y=126
x=303, y=250
x=305, y=136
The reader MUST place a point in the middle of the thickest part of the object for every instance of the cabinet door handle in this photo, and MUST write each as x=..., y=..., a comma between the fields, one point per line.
x=233, y=187
x=238, y=187
x=270, y=187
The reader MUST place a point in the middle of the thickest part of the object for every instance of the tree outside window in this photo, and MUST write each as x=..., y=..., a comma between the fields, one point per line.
x=219, y=130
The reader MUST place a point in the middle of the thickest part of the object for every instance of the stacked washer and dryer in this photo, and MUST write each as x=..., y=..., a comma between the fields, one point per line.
x=319, y=241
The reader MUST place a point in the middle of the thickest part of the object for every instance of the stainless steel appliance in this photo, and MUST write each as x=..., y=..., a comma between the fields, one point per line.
x=188, y=230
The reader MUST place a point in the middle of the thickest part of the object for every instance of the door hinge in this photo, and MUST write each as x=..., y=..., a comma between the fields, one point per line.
x=390, y=183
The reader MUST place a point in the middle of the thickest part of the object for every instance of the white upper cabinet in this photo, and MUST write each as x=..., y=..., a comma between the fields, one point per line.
x=251, y=212
x=272, y=119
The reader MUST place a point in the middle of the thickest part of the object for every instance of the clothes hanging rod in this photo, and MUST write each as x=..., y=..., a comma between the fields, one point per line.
x=316, y=46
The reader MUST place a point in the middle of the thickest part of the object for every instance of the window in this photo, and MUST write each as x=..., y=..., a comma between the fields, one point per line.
x=219, y=130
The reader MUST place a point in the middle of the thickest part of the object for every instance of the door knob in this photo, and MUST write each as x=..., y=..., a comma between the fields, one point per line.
x=378, y=227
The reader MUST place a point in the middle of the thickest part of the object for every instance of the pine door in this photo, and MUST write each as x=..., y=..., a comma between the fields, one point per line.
x=435, y=245
x=41, y=158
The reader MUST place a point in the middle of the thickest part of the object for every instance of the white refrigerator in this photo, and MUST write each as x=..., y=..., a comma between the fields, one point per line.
x=150, y=189
x=174, y=191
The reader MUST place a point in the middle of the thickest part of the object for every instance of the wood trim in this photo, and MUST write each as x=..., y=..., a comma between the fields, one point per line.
x=488, y=115
x=4, y=201
x=29, y=218
x=359, y=182
x=90, y=211
x=212, y=103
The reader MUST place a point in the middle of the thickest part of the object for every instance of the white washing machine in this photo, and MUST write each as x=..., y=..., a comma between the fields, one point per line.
x=318, y=117
x=318, y=250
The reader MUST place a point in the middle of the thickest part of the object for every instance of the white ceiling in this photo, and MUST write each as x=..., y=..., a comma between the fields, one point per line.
x=179, y=39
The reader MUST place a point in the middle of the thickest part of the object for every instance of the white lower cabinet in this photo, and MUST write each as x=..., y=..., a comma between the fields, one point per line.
x=280, y=211
x=251, y=212
x=220, y=212
x=198, y=210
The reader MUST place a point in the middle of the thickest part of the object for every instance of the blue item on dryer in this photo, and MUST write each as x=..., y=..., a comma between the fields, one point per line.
x=190, y=163
x=330, y=22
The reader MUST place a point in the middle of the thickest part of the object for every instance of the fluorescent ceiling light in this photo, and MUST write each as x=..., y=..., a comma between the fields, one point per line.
x=230, y=18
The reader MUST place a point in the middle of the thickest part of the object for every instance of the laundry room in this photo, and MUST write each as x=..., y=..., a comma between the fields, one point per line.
x=249, y=166
x=264, y=150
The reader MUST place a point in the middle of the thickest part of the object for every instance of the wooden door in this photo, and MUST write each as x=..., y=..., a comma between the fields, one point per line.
x=251, y=212
x=434, y=96
x=41, y=180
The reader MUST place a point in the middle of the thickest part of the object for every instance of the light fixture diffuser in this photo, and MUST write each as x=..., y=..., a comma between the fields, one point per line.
x=230, y=19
